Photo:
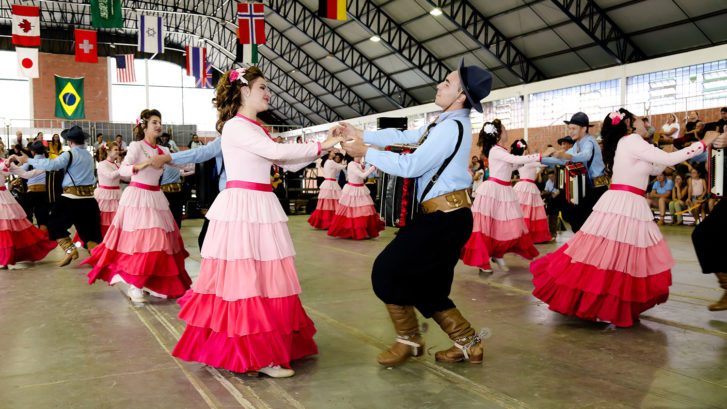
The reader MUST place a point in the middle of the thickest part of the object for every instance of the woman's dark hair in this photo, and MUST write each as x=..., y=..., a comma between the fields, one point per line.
x=56, y=144
x=227, y=98
x=611, y=134
x=518, y=147
x=37, y=148
x=347, y=158
x=145, y=116
x=488, y=140
x=684, y=180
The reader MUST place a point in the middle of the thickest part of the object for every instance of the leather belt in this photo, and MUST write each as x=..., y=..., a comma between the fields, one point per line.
x=602, y=180
x=37, y=187
x=171, y=187
x=79, y=190
x=447, y=202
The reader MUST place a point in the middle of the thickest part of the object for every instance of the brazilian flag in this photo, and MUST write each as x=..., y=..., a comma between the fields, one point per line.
x=69, y=98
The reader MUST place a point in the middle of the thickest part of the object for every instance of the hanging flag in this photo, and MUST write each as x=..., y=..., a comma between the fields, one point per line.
x=125, y=68
x=26, y=25
x=205, y=81
x=333, y=9
x=249, y=53
x=106, y=14
x=151, y=34
x=251, y=22
x=69, y=98
x=196, y=57
x=86, y=46
x=27, y=61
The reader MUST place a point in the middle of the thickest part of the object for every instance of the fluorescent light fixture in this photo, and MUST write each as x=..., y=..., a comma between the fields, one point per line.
x=375, y=38
x=436, y=12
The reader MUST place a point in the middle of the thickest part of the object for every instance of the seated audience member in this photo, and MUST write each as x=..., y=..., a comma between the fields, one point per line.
x=679, y=196
x=650, y=130
x=660, y=195
x=669, y=131
x=697, y=195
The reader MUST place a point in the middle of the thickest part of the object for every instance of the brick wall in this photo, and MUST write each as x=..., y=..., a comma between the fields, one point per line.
x=95, y=85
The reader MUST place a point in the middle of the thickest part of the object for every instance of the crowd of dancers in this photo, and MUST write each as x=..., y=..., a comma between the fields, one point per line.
x=243, y=312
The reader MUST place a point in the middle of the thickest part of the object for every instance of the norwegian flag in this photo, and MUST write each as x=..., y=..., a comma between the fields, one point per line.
x=205, y=81
x=125, y=68
x=26, y=25
x=251, y=20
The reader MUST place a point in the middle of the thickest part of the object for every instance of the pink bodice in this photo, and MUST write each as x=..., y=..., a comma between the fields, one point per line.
x=140, y=152
x=637, y=159
x=331, y=169
x=249, y=152
x=356, y=173
x=502, y=163
x=528, y=171
x=108, y=174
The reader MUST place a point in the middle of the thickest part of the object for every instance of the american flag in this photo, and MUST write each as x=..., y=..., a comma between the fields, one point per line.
x=205, y=81
x=125, y=68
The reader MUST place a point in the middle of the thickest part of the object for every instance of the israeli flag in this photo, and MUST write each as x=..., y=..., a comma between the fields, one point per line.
x=151, y=34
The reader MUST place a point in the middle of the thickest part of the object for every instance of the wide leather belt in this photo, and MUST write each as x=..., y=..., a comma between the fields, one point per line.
x=447, y=202
x=172, y=188
x=38, y=187
x=79, y=190
x=602, y=180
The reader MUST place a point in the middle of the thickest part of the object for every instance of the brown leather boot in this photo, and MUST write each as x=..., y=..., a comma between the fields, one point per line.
x=70, y=251
x=467, y=343
x=721, y=305
x=90, y=245
x=409, y=341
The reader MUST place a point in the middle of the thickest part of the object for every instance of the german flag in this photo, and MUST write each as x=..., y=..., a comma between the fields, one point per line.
x=333, y=9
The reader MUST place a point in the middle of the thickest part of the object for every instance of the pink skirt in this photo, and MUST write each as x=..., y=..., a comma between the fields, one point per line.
x=533, y=211
x=498, y=227
x=142, y=247
x=108, y=203
x=355, y=217
x=243, y=312
x=19, y=239
x=617, y=265
x=328, y=196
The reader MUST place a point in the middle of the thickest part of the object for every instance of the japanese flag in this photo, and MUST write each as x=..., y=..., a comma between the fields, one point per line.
x=27, y=62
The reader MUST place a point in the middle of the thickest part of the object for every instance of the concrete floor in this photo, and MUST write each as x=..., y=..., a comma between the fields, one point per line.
x=65, y=344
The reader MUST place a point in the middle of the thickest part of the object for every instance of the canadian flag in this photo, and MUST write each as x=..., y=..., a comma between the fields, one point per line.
x=27, y=62
x=26, y=25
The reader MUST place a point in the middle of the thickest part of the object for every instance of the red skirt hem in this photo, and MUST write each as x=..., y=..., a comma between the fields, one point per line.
x=357, y=228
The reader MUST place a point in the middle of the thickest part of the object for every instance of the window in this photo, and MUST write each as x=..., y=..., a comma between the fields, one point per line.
x=596, y=100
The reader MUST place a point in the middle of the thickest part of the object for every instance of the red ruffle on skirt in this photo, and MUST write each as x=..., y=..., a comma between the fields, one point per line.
x=27, y=243
x=587, y=292
x=481, y=245
x=475, y=253
x=538, y=229
x=244, y=335
x=321, y=219
x=357, y=228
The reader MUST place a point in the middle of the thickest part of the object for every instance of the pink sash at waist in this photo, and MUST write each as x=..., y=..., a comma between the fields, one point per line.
x=501, y=182
x=632, y=189
x=153, y=188
x=111, y=187
x=356, y=184
x=527, y=180
x=241, y=184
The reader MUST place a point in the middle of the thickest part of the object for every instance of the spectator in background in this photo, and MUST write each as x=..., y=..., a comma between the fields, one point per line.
x=38, y=137
x=566, y=143
x=660, y=195
x=195, y=142
x=650, y=130
x=669, y=131
x=120, y=142
x=678, y=199
x=2, y=150
x=690, y=122
x=697, y=194
x=718, y=125
x=550, y=198
x=279, y=139
x=19, y=139
x=55, y=146
x=169, y=143
x=99, y=142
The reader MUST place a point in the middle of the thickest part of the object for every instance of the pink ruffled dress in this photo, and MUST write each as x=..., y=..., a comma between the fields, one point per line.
x=143, y=246
x=108, y=192
x=243, y=312
x=19, y=239
x=618, y=264
x=356, y=216
x=328, y=195
x=532, y=204
x=499, y=226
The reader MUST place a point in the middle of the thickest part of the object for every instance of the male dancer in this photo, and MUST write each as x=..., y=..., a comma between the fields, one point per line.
x=587, y=152
x=708, y=239
x=417, y=268
x=77, y=205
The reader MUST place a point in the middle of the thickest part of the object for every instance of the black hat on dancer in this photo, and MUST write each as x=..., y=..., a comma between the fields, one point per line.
x=476, y=84
x=37, y=148
x=580, y=119
x=75, y=134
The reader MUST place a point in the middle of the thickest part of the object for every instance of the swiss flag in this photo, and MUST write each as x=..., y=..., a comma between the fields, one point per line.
x=27, y=61
x=86, y=46
x=26, y=25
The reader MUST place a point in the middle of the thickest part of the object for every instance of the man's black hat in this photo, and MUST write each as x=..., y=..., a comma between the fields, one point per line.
x=37, y=147
x=567, y=139
x=75, y=134
x=476, y=83
x=580, y=119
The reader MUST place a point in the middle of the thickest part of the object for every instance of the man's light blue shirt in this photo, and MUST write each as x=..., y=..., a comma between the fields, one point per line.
x=582, y=152
x=202, y=154
x=80, y=171
x=550, y=187
x=426, y=160
x=170, y=175
x=35, y=180
x=668, y=186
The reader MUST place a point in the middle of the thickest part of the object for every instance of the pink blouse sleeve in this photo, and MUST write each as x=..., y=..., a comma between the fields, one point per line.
x=108, y=171
x=650, y=153
x=25, y=174
x=505, y=156
x=368, y=171
x=133, y=156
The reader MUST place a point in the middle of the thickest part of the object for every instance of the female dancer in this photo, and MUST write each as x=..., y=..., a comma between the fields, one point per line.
x=528, y=195
x=108, y=191
x=243, y=312
x=498, y=227
x=356, y=217
x=19, y=239
x=329, y=193
x=143, y=246
x=618, y=264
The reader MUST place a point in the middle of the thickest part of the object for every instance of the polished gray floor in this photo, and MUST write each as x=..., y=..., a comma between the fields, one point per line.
x=65, y=344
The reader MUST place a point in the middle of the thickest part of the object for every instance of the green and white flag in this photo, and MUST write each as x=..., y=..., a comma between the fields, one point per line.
x=247, y=53
x=106, y=14
x=69, y=98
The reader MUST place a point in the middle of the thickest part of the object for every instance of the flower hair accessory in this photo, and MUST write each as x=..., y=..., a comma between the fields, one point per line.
x=238, y=74
x=138, y=121
x=489, y=129
x=520, y=144
x=616, y=117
